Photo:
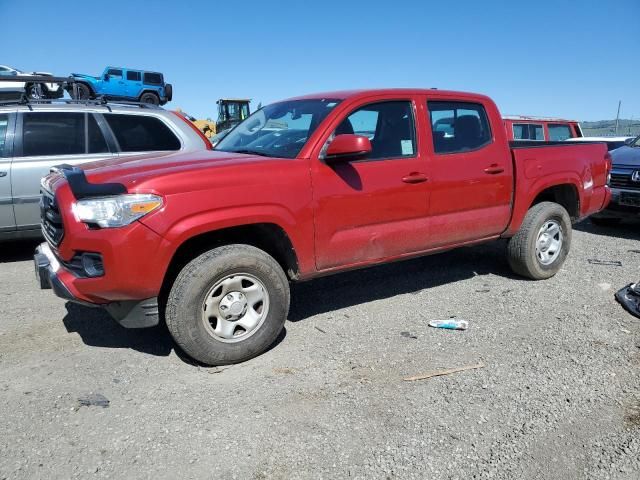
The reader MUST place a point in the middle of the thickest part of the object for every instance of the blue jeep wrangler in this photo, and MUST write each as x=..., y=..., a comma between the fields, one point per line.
x=123, y=84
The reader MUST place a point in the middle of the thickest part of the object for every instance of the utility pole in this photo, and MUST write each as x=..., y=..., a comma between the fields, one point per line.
x=618, y=116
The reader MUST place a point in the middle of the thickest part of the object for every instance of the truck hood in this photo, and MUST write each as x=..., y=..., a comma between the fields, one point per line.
x=626, y=157
x=139, y=171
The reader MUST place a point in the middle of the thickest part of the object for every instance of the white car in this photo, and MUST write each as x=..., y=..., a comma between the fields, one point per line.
x=33, y=90
x=612, y=142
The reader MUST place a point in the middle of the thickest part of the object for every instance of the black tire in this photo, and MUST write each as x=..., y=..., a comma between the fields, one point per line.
x=605, y=221
x=185, y=312
x=84, y=92
x=168, y=90
x=32, y=91
x=151, y=98
x=521, y=251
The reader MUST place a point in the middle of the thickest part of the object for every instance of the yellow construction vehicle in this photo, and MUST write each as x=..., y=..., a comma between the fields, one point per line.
x=231, y=111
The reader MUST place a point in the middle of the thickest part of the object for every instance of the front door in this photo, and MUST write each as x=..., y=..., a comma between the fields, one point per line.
x=374, y=208
x=115, y=86
x=46, y=139
x=7, y=220
x=471, y=174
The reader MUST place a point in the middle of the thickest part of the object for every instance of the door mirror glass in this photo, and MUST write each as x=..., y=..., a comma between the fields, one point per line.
x=347, y=147
x=106, y=77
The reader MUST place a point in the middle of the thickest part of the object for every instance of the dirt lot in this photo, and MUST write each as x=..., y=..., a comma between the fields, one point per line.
x=559, y=396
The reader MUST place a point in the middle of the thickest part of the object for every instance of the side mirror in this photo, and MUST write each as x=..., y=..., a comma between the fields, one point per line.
x=346, y=147
x=629, y=141
x=106, y=77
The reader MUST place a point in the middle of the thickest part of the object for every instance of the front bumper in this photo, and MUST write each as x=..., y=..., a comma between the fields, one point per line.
x=617, y=210
x=50, y=274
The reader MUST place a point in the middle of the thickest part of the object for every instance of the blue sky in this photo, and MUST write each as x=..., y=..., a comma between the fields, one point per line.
x=558, y=58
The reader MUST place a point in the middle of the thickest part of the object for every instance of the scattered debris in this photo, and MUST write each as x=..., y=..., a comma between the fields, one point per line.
x=319, y=329
x=451, y=324
x=508, y=290
x=629, y=298
x=93, y=400
x=408, y=335
x=633, y=251
x=446, y=371
x=612, y=263
x=483, y=290
x=284, y=371
x=216, y=370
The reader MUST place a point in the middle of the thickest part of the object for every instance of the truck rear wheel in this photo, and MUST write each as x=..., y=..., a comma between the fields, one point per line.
x=151, y=98
x=542, y=244
x=228, y=305
x=84, y=92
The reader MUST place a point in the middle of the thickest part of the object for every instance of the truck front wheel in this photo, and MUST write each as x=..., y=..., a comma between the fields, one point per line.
x=228, y=305
x=542, y=244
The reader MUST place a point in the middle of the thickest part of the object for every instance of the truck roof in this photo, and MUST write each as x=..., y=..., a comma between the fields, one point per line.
x=351, y=94
x=539, y=119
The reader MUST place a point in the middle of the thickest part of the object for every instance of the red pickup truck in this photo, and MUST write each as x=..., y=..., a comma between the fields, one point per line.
x=208, y=241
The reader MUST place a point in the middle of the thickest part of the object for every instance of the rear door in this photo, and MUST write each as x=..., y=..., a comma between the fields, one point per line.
x=370, y=209
x=7, y=219
x=133, y=83
x=470, y=172
x=45, y=139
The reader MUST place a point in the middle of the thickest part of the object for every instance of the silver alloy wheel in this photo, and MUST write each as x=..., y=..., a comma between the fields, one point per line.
x=235, y=307
x=549, y=242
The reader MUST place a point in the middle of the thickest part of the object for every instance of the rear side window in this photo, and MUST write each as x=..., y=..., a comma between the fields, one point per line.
x=140, y=133
x=528, y=131
x=458, y=126
x=4, y=124
x=152, y=78
x=388, y=125
x=53, y=133
x=133, y=76
x=559, y=132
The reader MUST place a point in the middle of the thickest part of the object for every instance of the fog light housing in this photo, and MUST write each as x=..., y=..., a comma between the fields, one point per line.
x=92, y=264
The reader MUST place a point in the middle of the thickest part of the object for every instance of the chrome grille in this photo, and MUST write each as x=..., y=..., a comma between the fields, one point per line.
x=622, y=179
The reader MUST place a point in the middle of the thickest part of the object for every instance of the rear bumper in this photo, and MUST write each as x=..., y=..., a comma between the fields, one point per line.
x=51, y=274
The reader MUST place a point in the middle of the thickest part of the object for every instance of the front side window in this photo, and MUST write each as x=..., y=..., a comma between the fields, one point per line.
x=458, y=126
x=141, y=133
x=528, y=131
x=559, y=132
x=388, y=125
x=152, y=78
x=133, y=76
x=4, y=125
x=278, y=130
x=53, y=133
x=115, y=73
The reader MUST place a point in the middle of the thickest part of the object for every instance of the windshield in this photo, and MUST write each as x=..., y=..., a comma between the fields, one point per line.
x=278, y=130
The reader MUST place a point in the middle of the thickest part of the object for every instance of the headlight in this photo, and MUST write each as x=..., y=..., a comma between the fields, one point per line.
x=116, y=211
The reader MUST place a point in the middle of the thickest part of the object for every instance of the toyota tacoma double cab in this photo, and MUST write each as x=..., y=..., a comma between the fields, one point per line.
x=117, y=83
x=209, y=241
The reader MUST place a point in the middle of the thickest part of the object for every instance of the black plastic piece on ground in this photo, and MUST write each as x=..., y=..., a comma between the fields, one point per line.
x=629, y=298
x=80, y=186
x=135, y=313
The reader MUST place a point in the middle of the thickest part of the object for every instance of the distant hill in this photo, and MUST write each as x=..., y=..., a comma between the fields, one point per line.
x=608, y=128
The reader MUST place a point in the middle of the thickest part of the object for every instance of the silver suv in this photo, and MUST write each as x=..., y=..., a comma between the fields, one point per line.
x=37, y=136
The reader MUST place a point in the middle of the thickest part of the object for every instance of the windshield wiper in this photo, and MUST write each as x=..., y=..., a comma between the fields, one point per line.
x=251, y=152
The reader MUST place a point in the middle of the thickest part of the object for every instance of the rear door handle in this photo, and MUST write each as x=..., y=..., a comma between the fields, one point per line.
x=494, y=169
x=3, y=174
x=415, y=177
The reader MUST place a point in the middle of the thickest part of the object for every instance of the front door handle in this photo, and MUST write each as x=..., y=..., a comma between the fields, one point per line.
x=494, y=169
x=415, y=177
x=3, y=174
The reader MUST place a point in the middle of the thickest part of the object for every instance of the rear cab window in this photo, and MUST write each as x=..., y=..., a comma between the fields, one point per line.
x=559, y=132
x=528, y=131
x=141, y=133
x=458, y=127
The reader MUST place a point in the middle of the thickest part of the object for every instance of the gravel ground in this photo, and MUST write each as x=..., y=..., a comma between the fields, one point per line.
x=559, y=396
